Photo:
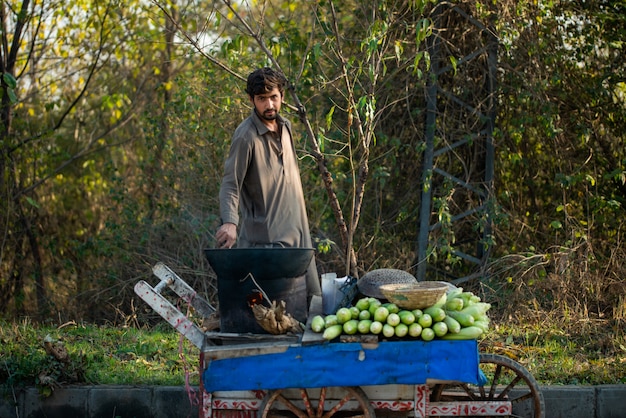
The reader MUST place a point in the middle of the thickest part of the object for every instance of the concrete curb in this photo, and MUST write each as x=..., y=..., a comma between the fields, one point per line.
x=100, y=401
x=604, y=401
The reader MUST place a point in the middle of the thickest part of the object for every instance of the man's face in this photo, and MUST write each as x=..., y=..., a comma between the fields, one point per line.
x=267, y=105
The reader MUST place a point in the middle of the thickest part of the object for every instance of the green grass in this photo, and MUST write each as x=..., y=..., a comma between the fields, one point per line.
x=563, y=354
x=594, y=353
x=97, y=355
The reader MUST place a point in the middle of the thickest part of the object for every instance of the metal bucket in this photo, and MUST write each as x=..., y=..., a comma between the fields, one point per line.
x=278, y=271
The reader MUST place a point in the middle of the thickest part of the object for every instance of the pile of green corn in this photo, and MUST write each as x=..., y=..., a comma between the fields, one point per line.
x=457, y=315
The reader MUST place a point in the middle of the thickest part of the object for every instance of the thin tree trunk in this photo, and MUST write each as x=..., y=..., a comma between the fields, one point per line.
x=40, y=284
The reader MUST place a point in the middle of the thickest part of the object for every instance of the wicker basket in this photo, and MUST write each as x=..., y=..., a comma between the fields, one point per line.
x=419, y=295
x=370, y=283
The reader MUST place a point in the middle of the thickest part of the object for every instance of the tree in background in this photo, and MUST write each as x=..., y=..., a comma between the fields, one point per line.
x=49, y=63
x=119, y=116
x=77, y=77
x=562, y=170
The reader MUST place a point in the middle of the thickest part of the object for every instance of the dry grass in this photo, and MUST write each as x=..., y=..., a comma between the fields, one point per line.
x=560, y=314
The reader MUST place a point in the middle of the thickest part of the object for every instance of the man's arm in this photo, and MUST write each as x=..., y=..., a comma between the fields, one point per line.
x=235, y=169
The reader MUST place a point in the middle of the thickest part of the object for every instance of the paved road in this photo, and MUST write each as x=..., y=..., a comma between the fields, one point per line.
x=606, y=401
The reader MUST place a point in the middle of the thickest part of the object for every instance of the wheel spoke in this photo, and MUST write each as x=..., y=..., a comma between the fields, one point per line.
x=496, y=380
x=339, y=405
x=481, y=393
x=505, y=392
x=277, y=405
x=307, y=403
x=468, y=390
x=504, y=376
x=293, y=408
x=321, y=403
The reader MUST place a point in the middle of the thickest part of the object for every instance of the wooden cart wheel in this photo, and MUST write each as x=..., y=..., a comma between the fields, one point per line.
x=506, y=380
x=338, y=402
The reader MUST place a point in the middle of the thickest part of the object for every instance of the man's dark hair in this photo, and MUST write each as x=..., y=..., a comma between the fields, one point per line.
x=264, y=80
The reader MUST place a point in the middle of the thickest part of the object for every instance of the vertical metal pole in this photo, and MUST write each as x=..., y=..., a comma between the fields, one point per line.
x=427, y=171
x=492, y=77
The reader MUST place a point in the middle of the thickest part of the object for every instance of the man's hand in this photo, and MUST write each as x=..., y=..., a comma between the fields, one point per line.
x=226, y=236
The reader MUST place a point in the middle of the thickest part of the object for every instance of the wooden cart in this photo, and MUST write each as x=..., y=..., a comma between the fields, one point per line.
x=302, y=376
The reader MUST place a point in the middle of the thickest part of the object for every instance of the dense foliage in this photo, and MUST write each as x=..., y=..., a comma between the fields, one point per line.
x=116, y=118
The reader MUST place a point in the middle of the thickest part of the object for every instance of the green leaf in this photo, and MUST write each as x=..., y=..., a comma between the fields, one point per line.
x=9, y=80
x=12, y=95
x=32, y=202
x=424, y=30
x=556, y=225
x=453, y=61
x=398, y=49
x=329, y=117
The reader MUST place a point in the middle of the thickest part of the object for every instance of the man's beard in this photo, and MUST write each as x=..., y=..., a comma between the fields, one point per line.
x=268, y=114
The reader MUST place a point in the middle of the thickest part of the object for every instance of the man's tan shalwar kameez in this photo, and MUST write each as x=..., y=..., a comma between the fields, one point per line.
x=262, y=181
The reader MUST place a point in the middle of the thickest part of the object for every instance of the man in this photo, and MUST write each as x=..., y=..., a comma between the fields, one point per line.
x=262, y=179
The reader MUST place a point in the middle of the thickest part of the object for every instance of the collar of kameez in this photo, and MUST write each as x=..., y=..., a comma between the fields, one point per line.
x=261, y=128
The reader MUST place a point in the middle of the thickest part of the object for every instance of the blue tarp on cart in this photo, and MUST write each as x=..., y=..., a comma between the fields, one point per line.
x=347, y=364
